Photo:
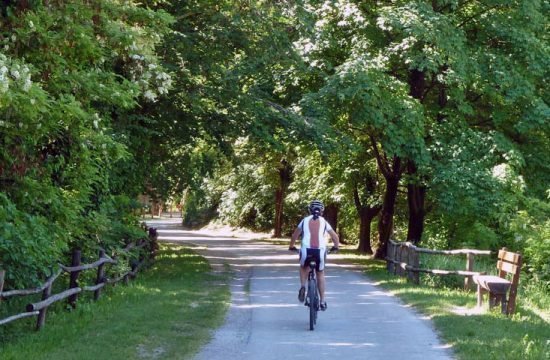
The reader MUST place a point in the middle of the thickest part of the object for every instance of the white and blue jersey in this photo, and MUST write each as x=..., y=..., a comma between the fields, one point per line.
x=314, y=237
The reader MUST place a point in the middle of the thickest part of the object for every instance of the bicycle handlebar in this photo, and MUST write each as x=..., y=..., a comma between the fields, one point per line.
x=333, y=249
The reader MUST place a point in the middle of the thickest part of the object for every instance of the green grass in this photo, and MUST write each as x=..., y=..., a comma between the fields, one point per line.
x=167, y=312
x=487, y=335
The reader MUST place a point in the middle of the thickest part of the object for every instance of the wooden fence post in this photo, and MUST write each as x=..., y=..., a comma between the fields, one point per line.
x=390, y=257
x=416, y=264
x=396, y=266
x=153, y=242
x=100, y=278
x=412, y=260
x=46, y=293
x=469, y=267
x=133, y=267
x=400, y=257
x=409, y=263
x=76, y=259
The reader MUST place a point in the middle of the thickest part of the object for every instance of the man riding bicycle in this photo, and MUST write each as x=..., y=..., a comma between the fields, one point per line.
x=313, y=228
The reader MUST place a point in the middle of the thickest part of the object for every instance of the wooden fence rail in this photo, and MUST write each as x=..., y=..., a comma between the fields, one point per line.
x=40, y=308
x=403, y=260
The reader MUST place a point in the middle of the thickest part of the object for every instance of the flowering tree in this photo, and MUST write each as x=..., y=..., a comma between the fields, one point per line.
x=70, y=72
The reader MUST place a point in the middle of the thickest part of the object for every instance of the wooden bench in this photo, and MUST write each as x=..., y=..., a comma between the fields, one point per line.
x=498, y=287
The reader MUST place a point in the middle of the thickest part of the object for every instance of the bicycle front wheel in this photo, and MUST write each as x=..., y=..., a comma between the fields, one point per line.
x=312, y=300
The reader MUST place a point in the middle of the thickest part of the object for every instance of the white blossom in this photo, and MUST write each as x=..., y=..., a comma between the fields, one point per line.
x=500, y=171
x=151, y=96
x=27, y=85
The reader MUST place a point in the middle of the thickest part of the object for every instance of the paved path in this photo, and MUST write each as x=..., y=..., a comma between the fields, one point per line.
x=266, y=321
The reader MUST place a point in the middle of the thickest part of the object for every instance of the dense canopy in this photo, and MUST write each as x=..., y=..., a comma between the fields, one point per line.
x=424, y=121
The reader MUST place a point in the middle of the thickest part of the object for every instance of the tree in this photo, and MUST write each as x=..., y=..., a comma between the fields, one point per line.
x=68, y=73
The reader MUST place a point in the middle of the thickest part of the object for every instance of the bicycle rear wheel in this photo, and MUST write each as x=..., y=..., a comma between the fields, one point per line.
x=312, y=300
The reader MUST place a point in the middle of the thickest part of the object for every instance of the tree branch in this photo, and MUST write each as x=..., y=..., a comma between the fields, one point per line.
x=382, y=162
x=486, y=10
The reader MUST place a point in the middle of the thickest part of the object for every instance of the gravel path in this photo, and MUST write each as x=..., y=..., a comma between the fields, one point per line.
x=266, y=321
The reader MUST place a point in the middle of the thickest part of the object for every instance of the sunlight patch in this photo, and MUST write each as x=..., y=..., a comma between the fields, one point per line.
x=145, y=353
x=462, y=310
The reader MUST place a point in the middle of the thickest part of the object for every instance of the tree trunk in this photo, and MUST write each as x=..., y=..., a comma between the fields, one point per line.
x=366, y=217
x=331, y=215
x=284, y=181
x=279, y=195
x=385, y=224
x=366, y=214
x=364, y=233
x=416, y=195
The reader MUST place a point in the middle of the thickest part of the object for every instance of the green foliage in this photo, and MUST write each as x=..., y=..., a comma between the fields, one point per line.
x=101, y=102
x=30, y=245
x=70, y=75
x=532, y=234
x=198, y=209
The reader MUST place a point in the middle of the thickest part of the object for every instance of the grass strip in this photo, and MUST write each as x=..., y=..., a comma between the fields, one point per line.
x=473, y=335
x=167, y=312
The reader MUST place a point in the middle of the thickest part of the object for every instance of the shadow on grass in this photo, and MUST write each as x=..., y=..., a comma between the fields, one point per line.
x=168, y=311
x=473, y=333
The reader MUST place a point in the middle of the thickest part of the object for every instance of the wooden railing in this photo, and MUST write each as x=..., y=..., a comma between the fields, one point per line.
x=403, y=260
x=41, y=307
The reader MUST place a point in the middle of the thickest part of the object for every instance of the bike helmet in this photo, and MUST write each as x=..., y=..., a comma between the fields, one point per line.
x=316, y=208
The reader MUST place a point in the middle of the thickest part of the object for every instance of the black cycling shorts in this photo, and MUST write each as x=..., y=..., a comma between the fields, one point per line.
x=319, y=255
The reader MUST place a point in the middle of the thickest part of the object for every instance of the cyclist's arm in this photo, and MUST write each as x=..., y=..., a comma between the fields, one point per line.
x=295, y=236
x=334, y=237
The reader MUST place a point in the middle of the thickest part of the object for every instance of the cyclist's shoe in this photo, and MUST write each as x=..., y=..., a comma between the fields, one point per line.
x=302, y=294
x=323, y=306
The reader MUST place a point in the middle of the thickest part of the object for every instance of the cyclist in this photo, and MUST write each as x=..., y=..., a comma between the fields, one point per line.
x=313, y=228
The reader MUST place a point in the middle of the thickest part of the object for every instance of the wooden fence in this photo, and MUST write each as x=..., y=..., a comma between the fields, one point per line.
x=403, y=259
x=41, y=307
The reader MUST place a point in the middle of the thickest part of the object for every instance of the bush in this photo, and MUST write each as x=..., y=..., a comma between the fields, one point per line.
x=29, y=245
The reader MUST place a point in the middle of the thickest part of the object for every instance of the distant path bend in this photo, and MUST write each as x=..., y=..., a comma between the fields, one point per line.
x=265, y=320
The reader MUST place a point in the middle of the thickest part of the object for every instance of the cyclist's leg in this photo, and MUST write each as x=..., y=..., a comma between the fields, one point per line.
x=321, y=277
x=321, y=284
x=303, y=267
x=303, y=275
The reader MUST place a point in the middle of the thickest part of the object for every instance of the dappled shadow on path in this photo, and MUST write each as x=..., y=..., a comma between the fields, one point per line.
x=266, y=320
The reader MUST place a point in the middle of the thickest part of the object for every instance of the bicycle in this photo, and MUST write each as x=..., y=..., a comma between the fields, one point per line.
x=313, y=298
